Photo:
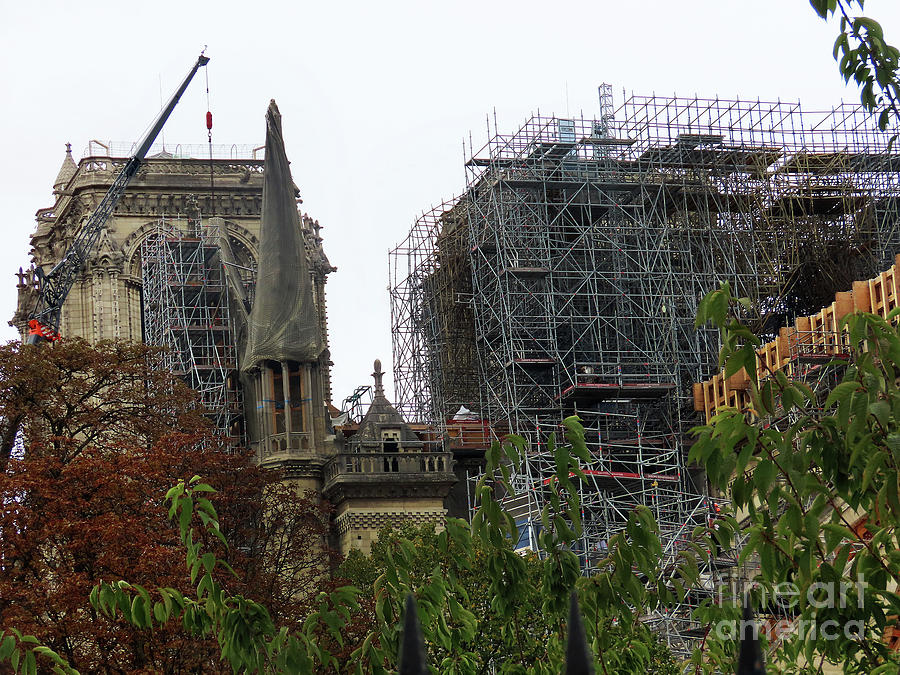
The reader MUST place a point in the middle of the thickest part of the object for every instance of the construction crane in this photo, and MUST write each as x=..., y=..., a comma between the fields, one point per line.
x=54, y=286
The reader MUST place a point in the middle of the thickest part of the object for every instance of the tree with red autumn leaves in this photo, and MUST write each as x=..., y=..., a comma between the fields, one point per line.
x=91, y=438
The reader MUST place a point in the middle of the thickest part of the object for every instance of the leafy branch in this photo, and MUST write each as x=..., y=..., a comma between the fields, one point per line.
x=22, y=652
x=248, y=638
x=821, y=463
x=864, y=55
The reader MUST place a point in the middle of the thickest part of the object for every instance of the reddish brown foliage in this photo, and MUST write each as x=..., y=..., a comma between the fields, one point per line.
x=82, y=501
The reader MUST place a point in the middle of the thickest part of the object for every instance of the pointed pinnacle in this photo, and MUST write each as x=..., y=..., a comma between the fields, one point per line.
x=412, y=647
x=750, y=660
x=578, y=656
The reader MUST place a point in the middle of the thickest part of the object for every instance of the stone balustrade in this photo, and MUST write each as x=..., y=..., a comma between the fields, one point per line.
x=388, y=463
x=296, y=443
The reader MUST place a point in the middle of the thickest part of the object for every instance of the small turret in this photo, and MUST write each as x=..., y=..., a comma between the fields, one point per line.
x=383, y=428
x=66, y=171
x=388, y=473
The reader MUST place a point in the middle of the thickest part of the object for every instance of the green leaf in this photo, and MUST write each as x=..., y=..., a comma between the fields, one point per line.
x=139, y=616
x=789, y=398
x=742, y=358
x=764, y=475
x=821, y=7
x=892, y=495
x=842, y=44
x=767, y=397
x=876, y=461
x=30, y=666
x=835, y=534
x=870, y=25
x=186, y=504
x=881, y=410
x=792, y=518
x=7, y=645
x=840, y=393
x=175, y=491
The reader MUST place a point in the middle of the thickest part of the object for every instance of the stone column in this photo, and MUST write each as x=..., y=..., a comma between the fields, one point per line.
x=263, y=411
x=308, y=424
x=116, y=317
x=286, y=391
x=269, y=400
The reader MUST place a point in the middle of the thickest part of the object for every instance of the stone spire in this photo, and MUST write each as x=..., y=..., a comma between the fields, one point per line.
x=382, y=413
x=66, y=171
x=378, y=375
x=282, y=359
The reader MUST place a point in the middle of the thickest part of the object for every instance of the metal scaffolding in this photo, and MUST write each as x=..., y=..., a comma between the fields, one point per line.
x=185, y=310
x=567, y=276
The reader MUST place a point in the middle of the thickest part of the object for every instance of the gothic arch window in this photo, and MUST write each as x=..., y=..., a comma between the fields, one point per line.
x=243, y=245
x=246, y=259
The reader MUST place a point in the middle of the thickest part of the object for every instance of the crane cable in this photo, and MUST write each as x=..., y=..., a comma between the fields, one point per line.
x=212, y=186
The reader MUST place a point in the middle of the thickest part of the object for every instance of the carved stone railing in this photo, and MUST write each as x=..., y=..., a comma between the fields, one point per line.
x=281, y=445
x=388, y=463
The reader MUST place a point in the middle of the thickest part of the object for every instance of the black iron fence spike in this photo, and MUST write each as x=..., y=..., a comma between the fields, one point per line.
x=412, y=647
x=578, y=655
x=750, y=658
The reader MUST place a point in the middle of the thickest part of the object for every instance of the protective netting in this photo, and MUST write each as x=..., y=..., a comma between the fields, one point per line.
x=282, y=325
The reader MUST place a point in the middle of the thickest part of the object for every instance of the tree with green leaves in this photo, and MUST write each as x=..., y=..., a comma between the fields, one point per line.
x=813, y=478
x=475, y=624
x=864, y=56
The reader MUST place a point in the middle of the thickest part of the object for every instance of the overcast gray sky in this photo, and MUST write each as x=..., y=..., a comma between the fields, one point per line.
x=376, y=99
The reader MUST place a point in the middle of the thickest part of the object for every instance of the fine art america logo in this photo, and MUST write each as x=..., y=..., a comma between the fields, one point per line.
x=823, y=598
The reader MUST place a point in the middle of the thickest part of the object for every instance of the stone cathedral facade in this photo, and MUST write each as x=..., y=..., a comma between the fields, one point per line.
x=213, y=259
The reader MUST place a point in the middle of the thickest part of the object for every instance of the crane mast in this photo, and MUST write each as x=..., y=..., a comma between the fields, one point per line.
x=54, y=286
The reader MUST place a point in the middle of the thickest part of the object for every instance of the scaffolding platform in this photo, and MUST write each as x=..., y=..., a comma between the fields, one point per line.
x=611, y=480
x=530, y=362
x=526, y=272
x=602, y=391
x=819, y=357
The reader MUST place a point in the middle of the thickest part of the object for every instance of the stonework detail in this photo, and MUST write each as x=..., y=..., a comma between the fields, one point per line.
x=105, y=302
x=387, y=474
x=375, y=520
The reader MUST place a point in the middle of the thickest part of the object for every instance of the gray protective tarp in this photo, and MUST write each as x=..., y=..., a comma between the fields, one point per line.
x=282, y=325
x=238, y=304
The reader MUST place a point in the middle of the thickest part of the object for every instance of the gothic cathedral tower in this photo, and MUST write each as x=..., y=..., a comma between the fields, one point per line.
x=284, y=360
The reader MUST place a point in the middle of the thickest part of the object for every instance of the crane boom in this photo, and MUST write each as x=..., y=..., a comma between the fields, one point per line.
x=55, y=285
